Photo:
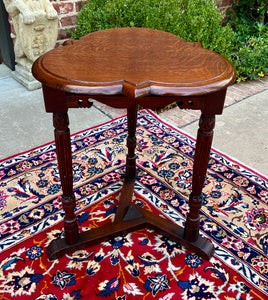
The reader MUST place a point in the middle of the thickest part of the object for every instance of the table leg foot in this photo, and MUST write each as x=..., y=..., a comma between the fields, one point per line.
x=202, y=246
x=57, y=248
x=135, y=218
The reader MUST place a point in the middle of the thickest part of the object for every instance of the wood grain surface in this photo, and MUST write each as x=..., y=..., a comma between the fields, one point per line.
x=134, y=62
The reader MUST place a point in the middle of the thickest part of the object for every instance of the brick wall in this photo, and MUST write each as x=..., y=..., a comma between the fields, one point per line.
x=67, y=12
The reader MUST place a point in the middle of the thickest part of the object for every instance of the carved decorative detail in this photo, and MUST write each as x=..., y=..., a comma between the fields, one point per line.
x=64, y=155
x=131, y=143
x=206, y=123
x=60, y=121
x=203, y=145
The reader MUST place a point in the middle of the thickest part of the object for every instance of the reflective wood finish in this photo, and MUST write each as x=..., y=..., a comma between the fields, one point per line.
x=124, y=68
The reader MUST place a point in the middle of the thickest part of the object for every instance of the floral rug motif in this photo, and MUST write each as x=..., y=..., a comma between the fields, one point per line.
x=142, y=264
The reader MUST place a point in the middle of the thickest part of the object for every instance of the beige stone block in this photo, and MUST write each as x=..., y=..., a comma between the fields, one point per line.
x=36, y=30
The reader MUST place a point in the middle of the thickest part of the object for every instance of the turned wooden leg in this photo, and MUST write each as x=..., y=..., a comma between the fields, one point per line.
x=128, y=186
x=130, y=217
x=64, y=156
x=202, y=152
x=131, y=142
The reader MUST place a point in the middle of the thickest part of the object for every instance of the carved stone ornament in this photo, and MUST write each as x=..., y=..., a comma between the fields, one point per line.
x=36, y=30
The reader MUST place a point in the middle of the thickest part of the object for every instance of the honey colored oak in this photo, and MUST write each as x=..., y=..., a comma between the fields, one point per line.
x=122, y=68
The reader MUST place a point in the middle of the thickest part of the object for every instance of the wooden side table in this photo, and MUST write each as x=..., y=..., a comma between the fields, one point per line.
x=122, y=68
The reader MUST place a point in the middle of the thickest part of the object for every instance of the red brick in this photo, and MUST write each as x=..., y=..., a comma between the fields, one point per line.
x=68, y=21
x=63, y=34
x=233, y=95
x=218, y=3
x=229, y=101
x=64, y=8
x=188, y=116
x=249, y=88
x=224, y=3
x=256, y=84
x=177, y=112
x=58, y=44
x=78, y=5
x=196, y=113
x=173, y=118
x=227, y=2
x=237, y=90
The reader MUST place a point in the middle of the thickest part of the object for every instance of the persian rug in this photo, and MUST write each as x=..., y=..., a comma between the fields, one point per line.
x=142, y=264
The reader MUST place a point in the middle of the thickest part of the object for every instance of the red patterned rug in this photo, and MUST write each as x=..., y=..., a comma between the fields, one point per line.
x=142, y=264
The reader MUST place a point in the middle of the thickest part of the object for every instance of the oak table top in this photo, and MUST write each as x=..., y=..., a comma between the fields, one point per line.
x=134, y=62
